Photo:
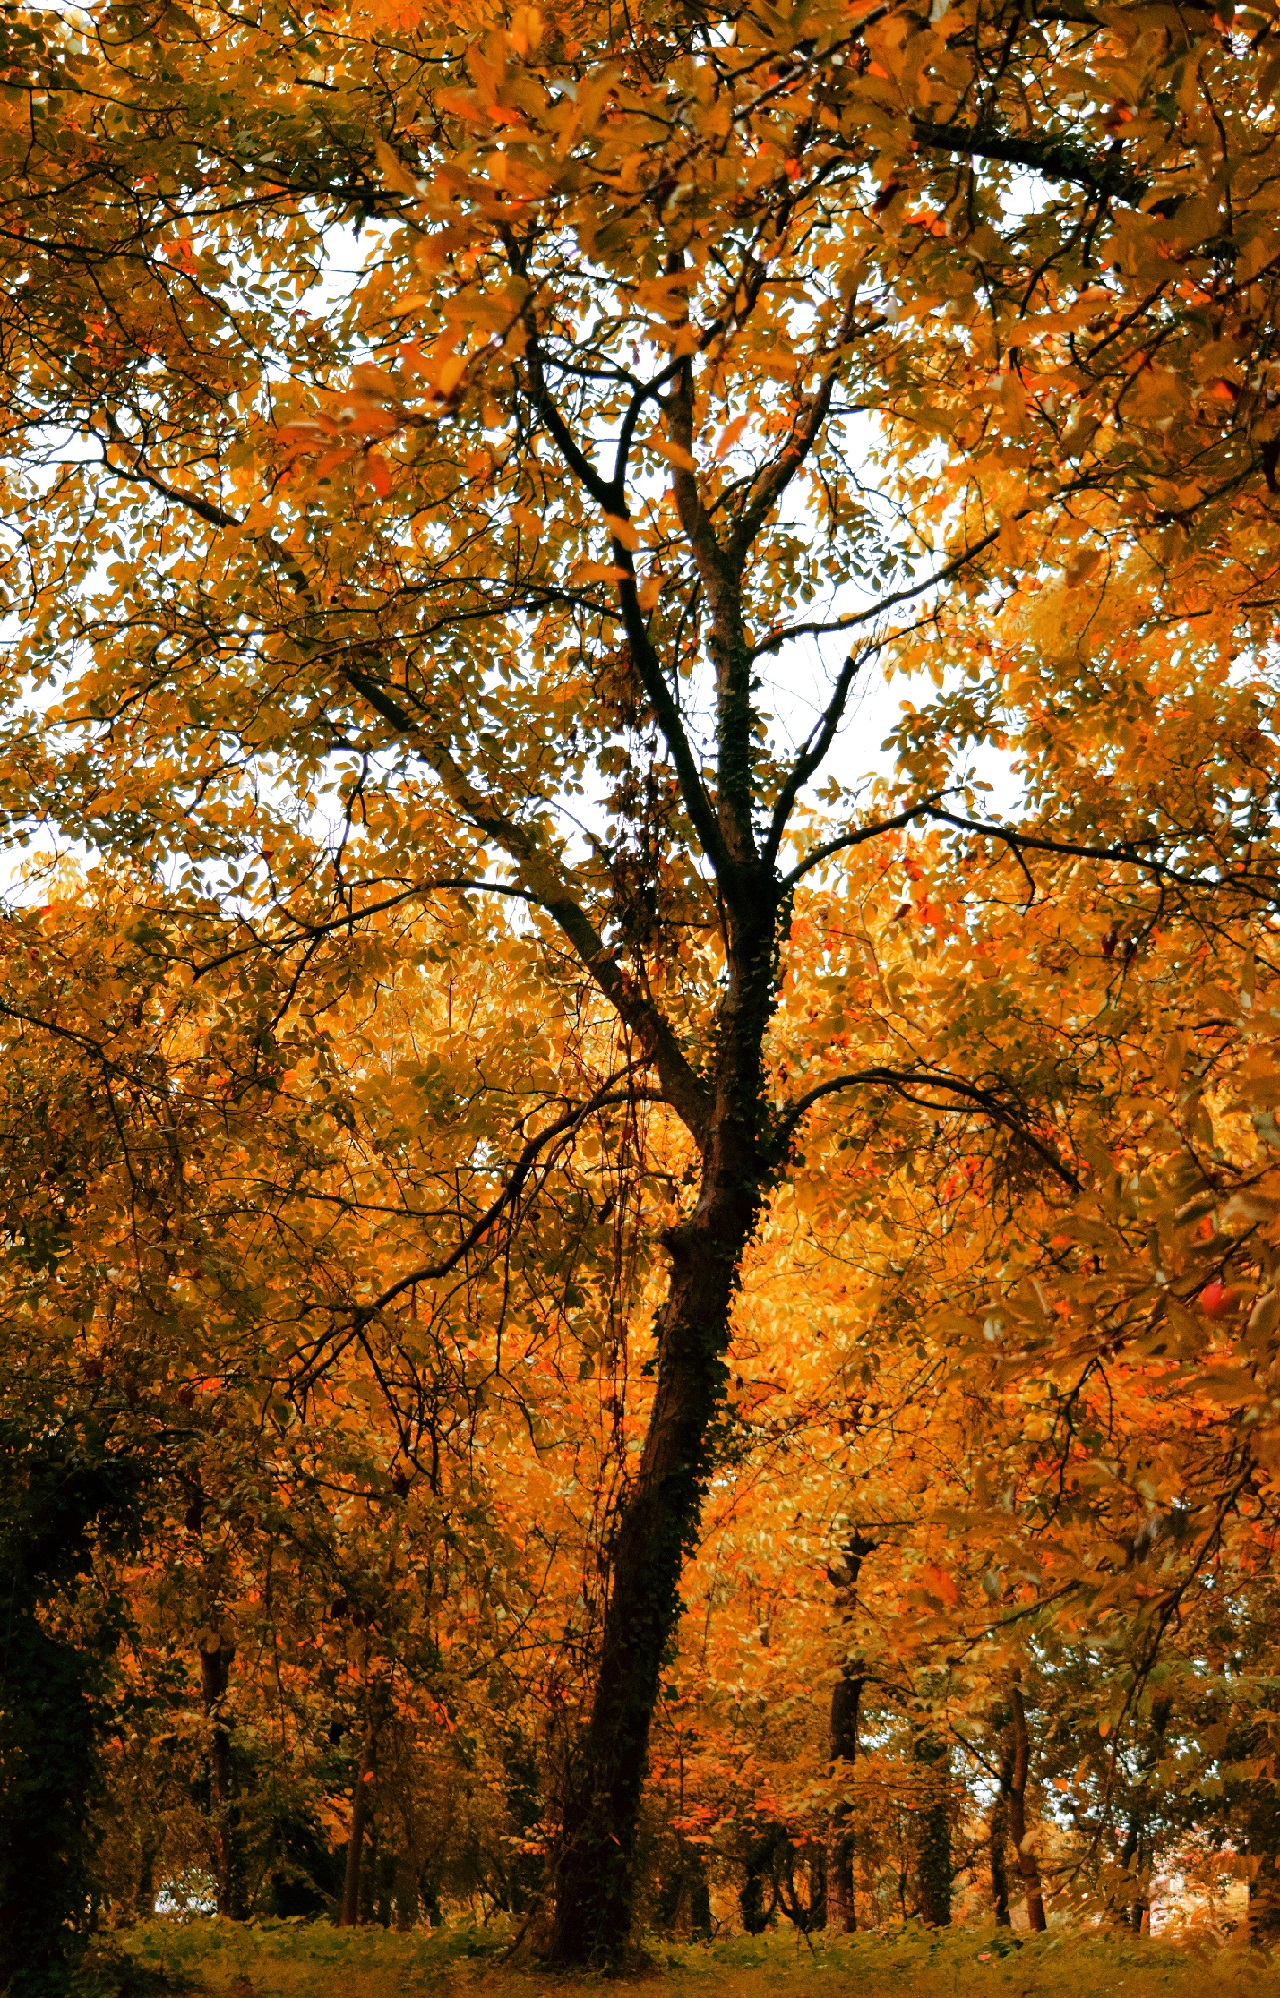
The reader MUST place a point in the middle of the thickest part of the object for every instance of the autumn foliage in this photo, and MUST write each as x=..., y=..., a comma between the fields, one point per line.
x=626, y=1305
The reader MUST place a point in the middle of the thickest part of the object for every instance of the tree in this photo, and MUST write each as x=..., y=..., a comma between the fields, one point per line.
x=1052, y=1409
x=492, y=545
x=67, y=1489
x=190, y=1188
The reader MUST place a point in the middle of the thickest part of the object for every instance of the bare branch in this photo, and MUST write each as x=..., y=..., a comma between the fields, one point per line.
x=813, y=754
x=432, y=1272
x=314, y=932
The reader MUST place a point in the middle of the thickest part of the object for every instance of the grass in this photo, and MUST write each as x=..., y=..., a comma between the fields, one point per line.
x=213, y=1959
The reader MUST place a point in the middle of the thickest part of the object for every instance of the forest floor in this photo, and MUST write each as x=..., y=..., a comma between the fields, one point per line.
x=214, y=1959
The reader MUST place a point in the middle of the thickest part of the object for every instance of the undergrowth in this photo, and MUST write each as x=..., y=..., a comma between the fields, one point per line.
x=215, y=1959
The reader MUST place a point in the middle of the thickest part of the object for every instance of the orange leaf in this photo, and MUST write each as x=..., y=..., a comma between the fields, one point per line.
x=939, y=1583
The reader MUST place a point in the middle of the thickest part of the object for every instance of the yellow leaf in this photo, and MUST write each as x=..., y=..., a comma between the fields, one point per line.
x=673, y=453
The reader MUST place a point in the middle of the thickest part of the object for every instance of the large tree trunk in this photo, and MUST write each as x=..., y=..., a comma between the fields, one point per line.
x=593, y=1899
x=658, y=1518
x=1028, y=1865
x=216, y=1656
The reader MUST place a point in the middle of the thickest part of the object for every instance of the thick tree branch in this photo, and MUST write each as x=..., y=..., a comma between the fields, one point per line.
x=549, y=888
x=771, y=482
x=1057, y=158
x=827, y=627
x=602, y=491
x=645, y=392
x=844, y=842
x=1125, y=853
x=609, y=496
x=140, y=474
x=904, y=1082
x=653, y=679
x=720, y=572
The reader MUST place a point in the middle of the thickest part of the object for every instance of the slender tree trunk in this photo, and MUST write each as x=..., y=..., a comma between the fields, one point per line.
x=818, y=1887
x=700, y=1901
x=999, y=1825
x=429, y=1894
x=1135, y=1855
x=144, y=1899
x=685, y=1892
x=846, y=1701
x=524, y=1816
x=1262, y=1833
x=933, y=1836
x=350, y=1915
x=761, y=1865
x=658, y=1519
x=380, y=1877
x=1028, y=1865
x=999, y=1837
x=216, y=1656
x=1264, y=1902
x=406, y=1890
x=1131, y=1856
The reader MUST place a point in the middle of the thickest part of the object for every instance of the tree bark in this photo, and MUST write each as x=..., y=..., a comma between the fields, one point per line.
x=216, y=1656
x=350, y=1915
x=1028, y=1865
x=846, y=1702
x=659, y=1516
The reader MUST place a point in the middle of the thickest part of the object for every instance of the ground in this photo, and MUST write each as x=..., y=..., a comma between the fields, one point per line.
x=213, y=1959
